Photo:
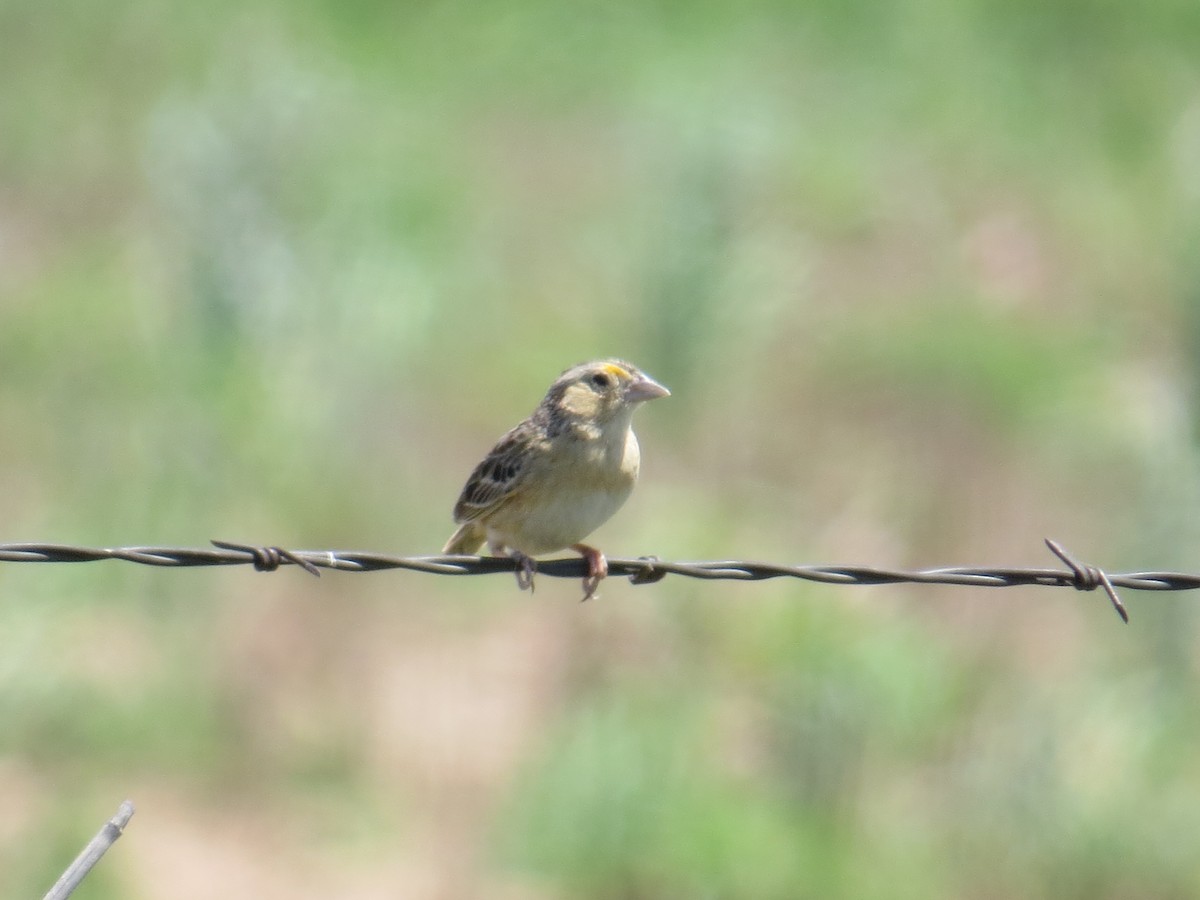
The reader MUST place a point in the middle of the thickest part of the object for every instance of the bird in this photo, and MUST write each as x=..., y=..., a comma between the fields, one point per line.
x=560, y=474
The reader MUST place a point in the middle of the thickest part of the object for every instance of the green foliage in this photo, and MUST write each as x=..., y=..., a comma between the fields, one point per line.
x=922, y=278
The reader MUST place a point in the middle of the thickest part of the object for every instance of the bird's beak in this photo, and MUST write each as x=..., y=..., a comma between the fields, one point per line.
x=644, y=388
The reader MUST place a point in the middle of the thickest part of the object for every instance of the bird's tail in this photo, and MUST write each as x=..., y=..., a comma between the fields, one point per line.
x=466, y=540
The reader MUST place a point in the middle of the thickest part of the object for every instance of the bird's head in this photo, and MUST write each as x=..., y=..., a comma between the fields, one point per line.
x=603, y=391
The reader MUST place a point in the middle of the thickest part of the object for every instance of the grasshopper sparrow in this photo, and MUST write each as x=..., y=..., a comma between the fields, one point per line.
x=560, y=474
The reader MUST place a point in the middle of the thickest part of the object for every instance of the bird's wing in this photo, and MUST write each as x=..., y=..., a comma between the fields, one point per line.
x=500, y=475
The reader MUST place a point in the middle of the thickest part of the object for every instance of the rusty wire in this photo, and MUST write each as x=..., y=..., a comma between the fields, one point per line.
x=644, y=570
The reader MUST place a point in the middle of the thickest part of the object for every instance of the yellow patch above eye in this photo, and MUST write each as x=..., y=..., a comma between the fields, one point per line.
x=617, y=372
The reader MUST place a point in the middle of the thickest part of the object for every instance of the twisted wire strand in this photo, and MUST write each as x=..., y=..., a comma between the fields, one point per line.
x=644, y=570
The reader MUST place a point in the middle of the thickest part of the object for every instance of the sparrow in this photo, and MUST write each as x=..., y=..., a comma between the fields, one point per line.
x=560, y=474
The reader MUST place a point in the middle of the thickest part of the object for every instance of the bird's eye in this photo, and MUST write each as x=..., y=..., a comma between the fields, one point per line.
x=600, y=380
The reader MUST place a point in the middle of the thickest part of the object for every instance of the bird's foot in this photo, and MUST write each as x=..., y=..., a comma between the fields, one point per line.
x=526, y=567
x=597, y=567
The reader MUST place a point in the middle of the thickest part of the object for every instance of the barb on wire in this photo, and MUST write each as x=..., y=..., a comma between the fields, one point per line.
x=1088, y=578
x=644, y=570
x=268, y=559
x=90, y=855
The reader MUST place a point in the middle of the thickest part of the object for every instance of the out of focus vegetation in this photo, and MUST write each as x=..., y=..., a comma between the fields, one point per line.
x=924, y=279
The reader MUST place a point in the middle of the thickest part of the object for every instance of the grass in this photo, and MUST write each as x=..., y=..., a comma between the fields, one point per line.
x=921, y=280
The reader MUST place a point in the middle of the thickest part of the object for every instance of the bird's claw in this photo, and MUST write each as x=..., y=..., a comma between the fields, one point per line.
x=526, y=567
x=597, y=568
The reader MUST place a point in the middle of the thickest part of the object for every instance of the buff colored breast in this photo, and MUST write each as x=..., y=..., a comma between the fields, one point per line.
x=572, y=499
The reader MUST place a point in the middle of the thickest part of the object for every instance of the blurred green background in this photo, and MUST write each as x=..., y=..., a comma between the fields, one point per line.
x=924, y=278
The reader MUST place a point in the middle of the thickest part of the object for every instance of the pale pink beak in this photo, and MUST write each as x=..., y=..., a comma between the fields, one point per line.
x=645, y=388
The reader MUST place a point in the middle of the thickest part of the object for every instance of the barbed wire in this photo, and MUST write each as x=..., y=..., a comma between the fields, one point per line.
x=642, y=570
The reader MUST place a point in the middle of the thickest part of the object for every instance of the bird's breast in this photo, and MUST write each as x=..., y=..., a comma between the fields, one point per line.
x=578, y=494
